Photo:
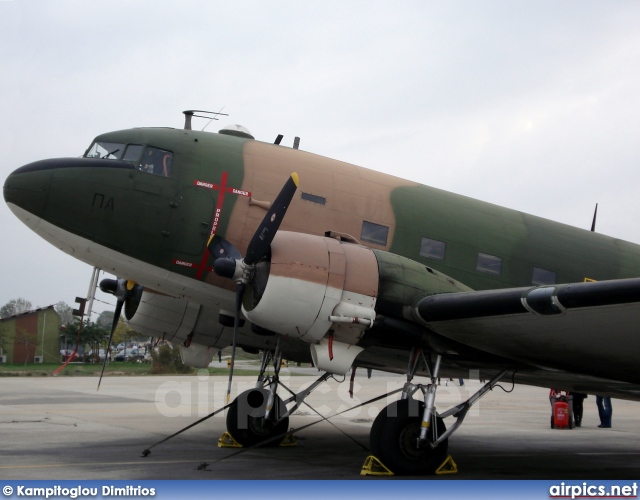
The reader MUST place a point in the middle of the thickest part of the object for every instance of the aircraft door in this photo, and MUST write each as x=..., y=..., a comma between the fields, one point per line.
x=190, y=221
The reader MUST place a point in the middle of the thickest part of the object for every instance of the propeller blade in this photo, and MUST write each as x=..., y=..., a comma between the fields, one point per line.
x=132, y=301
x=261, y=241
x=258, y=247
x=220, y=248
x=236, y=321
x=593, y=223
x=109, y=286
x=116, y=318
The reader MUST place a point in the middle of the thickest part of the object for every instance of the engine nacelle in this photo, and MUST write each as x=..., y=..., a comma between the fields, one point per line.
x=165, y=317
x=328, y=293
x=315, y=284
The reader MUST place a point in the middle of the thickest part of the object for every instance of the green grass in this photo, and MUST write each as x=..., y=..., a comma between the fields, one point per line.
x=93, y=369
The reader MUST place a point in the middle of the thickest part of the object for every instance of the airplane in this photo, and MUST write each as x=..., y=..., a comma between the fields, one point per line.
x=219, y=239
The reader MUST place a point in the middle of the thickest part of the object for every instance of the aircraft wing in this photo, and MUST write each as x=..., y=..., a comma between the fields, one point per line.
x=588, y=328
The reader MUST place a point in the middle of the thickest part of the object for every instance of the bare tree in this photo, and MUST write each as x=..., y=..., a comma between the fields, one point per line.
x=105, y=319
x=15, y=306
x=65, y=312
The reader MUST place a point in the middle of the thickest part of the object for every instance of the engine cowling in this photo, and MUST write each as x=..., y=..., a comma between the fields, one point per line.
x=315, y=284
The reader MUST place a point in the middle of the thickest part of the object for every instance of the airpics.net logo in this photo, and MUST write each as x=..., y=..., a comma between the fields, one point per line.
x=586, y=490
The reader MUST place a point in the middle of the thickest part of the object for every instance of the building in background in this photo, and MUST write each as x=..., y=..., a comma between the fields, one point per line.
x=31, y=337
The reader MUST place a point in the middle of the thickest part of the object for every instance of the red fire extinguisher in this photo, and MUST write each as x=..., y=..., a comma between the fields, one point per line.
x=561, y=414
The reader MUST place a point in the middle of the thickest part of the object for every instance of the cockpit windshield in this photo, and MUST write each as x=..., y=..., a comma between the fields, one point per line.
x=110, y=150
x=150, y=160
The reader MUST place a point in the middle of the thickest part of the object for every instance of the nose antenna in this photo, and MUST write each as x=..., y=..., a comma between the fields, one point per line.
x=192, y=112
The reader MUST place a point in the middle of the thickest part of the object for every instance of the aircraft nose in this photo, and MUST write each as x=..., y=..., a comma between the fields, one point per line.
x=27, y=187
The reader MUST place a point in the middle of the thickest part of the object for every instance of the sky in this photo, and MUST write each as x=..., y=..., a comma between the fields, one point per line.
x=533, y=105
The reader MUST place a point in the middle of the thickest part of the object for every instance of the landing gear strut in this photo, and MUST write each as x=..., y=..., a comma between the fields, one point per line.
x=409, y=436
x=259, y=414
x=247, y=421
x=395, y=439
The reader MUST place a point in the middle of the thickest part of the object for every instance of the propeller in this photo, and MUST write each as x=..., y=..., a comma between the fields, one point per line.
x=128, y=294
x=242, y=271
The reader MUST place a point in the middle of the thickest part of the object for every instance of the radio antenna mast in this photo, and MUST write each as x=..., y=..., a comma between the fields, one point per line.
x=192, y=112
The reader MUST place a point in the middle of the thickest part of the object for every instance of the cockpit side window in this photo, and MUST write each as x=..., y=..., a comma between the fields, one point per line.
x=132, y=153
x=109, y=150
x=156, y=161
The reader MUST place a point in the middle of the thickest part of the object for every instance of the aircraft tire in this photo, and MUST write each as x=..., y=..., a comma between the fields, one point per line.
x=394, y=434
x=246, y=423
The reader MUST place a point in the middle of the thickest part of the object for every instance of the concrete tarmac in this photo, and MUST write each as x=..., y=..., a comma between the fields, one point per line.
x=61, y=428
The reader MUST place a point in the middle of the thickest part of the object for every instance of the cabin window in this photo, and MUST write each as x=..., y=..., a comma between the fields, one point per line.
x=107, y=150
x=433, y=249
x=320, y=200
x=374, y=233
x=543, y=277
x=489, y=264
x=156, y=161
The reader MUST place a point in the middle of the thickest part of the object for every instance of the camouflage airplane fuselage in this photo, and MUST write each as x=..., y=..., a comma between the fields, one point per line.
x=119, y=217
x=167, y=221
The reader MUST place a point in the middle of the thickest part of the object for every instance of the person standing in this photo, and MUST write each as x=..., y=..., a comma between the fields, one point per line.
x=605, y=411
x=578, y=399
x=554, y=395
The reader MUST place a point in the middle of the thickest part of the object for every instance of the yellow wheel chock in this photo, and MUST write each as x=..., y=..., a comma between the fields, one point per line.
x=447, y=467
x=288, y=440
x=227, y=441
x=374, y=467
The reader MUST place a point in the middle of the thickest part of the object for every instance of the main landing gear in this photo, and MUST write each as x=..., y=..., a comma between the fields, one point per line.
x=259, y=416
x=395, y=439
x=409, y=436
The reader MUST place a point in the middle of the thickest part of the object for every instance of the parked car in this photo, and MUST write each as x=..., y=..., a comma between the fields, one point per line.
x=99, y=354
x=129, y=355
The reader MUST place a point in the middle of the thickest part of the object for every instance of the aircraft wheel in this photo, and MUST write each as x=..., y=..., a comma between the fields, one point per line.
x=394, y=436
x=246, y=422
